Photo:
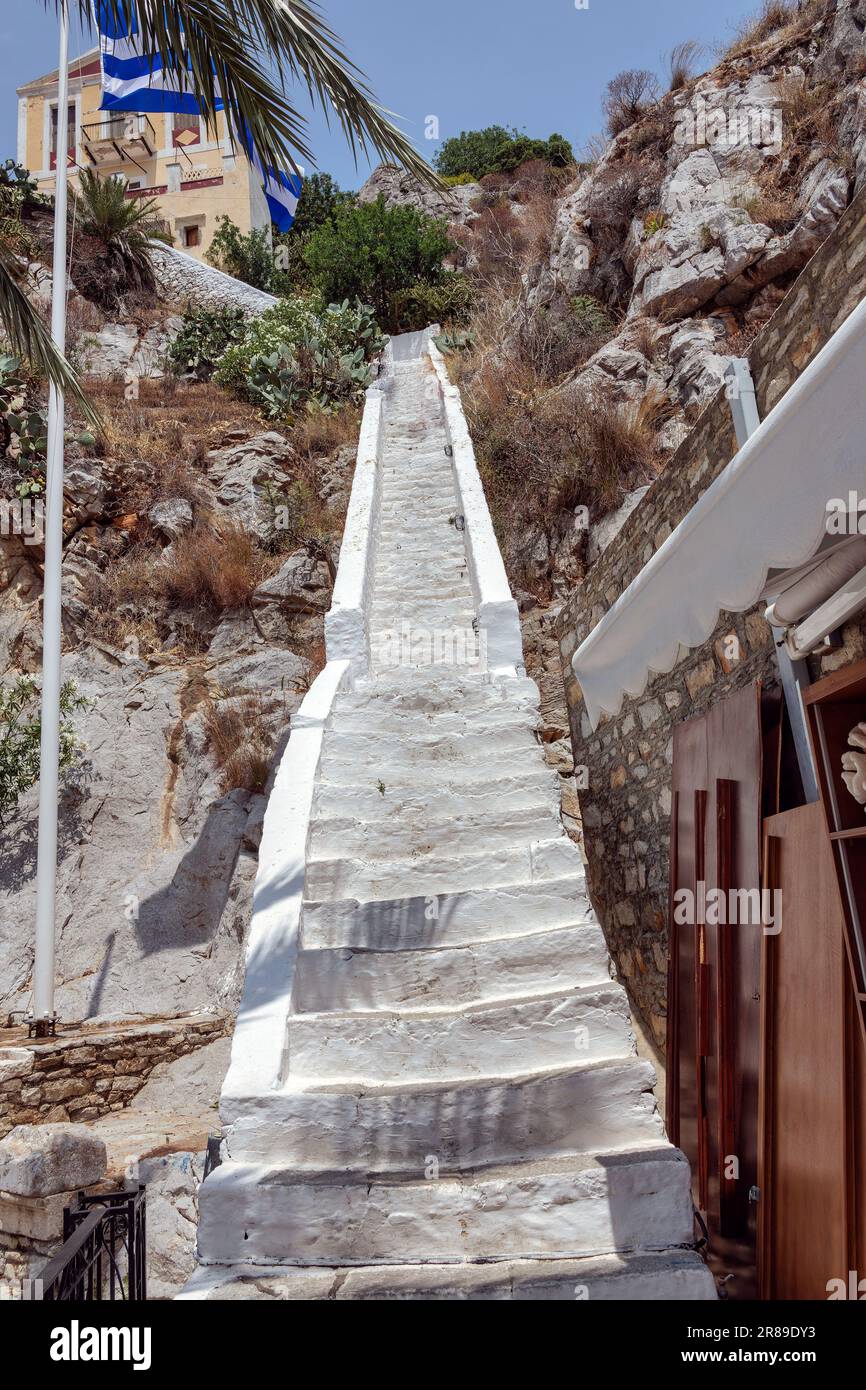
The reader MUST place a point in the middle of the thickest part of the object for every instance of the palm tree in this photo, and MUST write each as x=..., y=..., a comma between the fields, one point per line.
x=245, y=53
x=123, y=225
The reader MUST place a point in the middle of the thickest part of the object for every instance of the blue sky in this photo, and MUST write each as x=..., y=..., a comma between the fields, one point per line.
x=541, y=66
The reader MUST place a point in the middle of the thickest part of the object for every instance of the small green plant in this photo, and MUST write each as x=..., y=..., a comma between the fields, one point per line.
x=454, y=342
x=20, y=731
x=203, y=339
x=590, y=316
x=458, y=180
x=420, y=304
x=654, y=221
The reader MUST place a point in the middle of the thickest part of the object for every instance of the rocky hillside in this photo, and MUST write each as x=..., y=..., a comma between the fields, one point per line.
x=193, y=626
x=608, y=298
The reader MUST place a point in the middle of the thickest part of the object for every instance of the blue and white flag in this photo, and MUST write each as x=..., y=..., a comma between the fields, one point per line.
x=133, y=80
x=282, y=190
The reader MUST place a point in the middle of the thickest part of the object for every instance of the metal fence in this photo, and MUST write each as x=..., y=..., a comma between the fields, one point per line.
x=104, y=1251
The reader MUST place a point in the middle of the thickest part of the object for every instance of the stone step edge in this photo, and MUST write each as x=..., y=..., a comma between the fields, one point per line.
x=601, y=990
x=520, y=1171
x=341, y=1282
x=643, y=1074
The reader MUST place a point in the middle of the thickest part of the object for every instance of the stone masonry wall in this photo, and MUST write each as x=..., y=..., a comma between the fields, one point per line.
x=182, y=277
x=91, y=1073
x=627, y=802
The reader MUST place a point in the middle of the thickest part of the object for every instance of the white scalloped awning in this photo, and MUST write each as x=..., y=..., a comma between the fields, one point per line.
x=767, y=511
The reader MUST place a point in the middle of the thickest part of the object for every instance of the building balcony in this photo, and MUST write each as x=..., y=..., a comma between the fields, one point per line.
x=120, y=139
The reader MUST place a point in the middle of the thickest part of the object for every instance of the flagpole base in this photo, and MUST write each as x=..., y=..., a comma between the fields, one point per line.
x=42, y=1027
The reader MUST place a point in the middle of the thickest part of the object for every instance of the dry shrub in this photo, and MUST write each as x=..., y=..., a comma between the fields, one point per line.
x=168, y=426
x=774, y=204
x=499, y=243
x=645, y=338
x=241, y=736
x=216, y=568
x=319, y=434
x=542, y=452
x=616, y=192
x=627, y=97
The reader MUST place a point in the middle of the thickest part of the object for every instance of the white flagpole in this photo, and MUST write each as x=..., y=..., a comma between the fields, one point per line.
x=49, y=770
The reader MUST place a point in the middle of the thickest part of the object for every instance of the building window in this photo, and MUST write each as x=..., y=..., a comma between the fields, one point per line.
x=70, y=134
x=187, y=131
x=192, y=235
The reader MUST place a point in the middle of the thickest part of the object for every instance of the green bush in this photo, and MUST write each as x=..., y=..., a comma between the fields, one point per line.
x=248, y=256
x=472, y=151
x=421, y=304
x=20, y=731
x=321, y=198
x=496, y=151
x=457, y=180
x=204, y=337
x=372, y=253
x=556, y=152
x=300, y=355
x=283, y=324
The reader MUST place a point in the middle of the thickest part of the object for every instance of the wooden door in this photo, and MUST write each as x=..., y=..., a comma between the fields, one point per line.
x=803, y=1236
x=713, y=991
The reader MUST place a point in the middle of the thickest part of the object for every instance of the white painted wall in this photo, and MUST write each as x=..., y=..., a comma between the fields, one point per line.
x=498, y=614
x=259, y=1042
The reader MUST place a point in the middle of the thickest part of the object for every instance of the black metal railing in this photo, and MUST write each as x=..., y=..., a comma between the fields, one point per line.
x=104, y=1251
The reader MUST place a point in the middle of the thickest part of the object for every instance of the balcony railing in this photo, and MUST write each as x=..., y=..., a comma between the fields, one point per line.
x=120, y=138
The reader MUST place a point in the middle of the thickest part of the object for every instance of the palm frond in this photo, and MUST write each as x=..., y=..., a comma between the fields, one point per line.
x=225, y=48
x=29, y=338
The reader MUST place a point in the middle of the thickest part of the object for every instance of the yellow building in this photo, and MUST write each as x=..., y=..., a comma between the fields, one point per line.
x=195, y=173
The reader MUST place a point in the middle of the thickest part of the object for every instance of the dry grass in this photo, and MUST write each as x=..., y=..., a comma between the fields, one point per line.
x=216, y=568
x=320, y=434
x=121, y=603
x=241, y=736
x=543, y=452
x=169, y=425
x=682, y=62
x=778, y=20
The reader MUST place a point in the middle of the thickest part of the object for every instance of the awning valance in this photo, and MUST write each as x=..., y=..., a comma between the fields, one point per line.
x=767, y=511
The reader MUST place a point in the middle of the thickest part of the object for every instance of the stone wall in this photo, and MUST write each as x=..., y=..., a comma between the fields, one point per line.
x=627, y=760
x=180, y=278
x=92, y=1072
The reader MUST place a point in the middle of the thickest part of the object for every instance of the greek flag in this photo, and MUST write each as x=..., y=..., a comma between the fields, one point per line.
x=133, y=80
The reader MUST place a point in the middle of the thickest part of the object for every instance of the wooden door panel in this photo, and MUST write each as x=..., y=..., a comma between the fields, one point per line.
x=803, y=1232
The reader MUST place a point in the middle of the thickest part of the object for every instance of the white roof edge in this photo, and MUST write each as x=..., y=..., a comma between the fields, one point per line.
x=766, y=510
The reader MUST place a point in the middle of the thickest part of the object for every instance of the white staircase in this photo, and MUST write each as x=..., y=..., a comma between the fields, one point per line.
x=460, y=1112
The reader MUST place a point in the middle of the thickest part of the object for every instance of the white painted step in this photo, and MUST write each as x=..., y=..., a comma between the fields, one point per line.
x=398, y=838
x=571, y=1208
x=530, y=863
x=469, y=1042
x=483, y=972
x=428, y=746
x=368, y=1129
x=450, y=919
x=657, y=1278
x=444, y=724
x=414, y=798
x=397, y=766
